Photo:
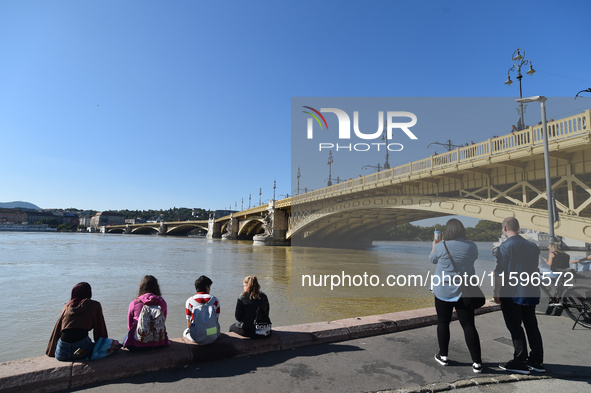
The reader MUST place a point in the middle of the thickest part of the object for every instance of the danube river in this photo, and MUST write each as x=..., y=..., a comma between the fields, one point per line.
x=38, y=271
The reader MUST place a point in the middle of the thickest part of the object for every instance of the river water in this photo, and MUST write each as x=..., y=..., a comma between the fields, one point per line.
x=38, y=271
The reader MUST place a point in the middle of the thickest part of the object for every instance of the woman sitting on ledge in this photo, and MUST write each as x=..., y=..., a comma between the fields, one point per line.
x=152, y=330
x=252, y=311
x=69, y=340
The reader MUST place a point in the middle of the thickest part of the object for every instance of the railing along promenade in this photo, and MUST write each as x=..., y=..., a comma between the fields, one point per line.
x=484, y=152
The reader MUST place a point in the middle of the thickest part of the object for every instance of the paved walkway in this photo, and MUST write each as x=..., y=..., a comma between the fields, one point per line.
x=334, y=360
x=389, y=362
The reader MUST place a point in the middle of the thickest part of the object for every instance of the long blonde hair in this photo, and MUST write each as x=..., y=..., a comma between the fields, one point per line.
x=253, y=289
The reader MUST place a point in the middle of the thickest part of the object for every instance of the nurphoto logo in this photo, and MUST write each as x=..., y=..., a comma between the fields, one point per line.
x=344, y=130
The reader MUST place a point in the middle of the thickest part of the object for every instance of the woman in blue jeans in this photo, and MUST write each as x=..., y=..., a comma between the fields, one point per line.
x=448, y=296
x=69, y=340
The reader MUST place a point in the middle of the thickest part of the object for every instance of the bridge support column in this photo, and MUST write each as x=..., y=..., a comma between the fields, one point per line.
x=275, y=226
x=163, y=229
x=231, y=229
x=127, y=229
x=214, y=229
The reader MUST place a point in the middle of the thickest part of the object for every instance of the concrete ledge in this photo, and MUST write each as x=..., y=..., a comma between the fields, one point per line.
x=45, y=374
x=35, y=375
x=125, y=363
x=369, y=326
x=314, y=333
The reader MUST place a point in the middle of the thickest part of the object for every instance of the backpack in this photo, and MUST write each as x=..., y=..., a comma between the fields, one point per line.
x=262, y=322
x=150, y=324
x=205, y=328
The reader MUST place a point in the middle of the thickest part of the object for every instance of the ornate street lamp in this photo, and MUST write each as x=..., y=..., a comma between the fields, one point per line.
x=519, y=61
x=542, y=101
x=329, y=163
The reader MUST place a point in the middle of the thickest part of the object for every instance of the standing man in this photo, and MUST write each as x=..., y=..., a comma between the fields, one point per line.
x=516, y=258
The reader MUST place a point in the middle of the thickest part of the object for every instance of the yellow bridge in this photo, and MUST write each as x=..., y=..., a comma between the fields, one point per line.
x=491, y=180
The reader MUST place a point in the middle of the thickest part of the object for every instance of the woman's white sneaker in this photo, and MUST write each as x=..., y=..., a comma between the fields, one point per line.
x=441, y=359
x=477, y=368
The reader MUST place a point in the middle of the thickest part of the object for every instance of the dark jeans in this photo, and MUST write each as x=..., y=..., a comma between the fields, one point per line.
x=515, y=315
x=466, y=316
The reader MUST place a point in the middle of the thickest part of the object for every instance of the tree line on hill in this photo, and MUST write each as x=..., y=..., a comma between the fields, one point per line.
x=484, y=231
x=174, y=214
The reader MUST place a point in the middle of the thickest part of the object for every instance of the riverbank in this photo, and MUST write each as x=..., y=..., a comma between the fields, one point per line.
x=45, y=374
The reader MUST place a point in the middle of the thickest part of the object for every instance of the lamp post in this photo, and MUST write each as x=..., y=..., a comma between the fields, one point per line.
x=274, y=187
x=385, y=137
x=329, y=163
x=299, y=175
x=518, y=62
x=542, y=101
x=372, y=166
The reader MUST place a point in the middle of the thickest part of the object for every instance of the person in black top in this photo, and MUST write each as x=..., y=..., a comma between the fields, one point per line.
x=557, y=260
x=252, y=308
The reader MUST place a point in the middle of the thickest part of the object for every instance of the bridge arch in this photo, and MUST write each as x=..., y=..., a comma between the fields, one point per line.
x=358, y=220
x=145, y=230
x=183, y=229
x=250, y=227
x=115, y=230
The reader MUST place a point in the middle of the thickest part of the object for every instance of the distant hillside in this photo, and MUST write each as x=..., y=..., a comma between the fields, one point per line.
x=14, y=205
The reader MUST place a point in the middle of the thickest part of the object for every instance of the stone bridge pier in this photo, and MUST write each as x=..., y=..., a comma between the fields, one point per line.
x=275, y=225
x=214, y=229
x=162, y=229
x=232, y=227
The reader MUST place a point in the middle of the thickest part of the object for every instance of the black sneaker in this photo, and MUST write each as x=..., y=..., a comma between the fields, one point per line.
x=515, y=366
x=537, y=367
x=477, y=367
x=441, y=360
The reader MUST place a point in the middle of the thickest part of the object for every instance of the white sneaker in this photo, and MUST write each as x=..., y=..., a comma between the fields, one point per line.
x=441, y=359
x=477, y=368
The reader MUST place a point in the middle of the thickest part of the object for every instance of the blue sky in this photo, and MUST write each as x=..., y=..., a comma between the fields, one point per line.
x=153, y=104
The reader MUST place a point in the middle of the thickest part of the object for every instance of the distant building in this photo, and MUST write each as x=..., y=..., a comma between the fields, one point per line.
x=134, y=221
x=85, y=221
x=45, y=217
x=107, y=218
x=12, y=216
x=70, y=219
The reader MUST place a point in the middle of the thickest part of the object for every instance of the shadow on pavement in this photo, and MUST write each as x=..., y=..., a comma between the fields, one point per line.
x=237, y=366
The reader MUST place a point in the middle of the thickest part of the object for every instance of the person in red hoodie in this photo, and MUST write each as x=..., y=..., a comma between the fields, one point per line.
x=152, y=331
x=69, y=340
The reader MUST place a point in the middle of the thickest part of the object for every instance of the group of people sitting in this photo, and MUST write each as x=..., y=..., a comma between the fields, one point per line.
x=146, y=319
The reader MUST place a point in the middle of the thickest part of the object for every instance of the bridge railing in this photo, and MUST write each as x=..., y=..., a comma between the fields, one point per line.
x=531, y=136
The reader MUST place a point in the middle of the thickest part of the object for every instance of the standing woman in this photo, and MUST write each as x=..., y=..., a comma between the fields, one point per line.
x=252, y=307
x=69, y=340
x=448, y=296
x=149, y=295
